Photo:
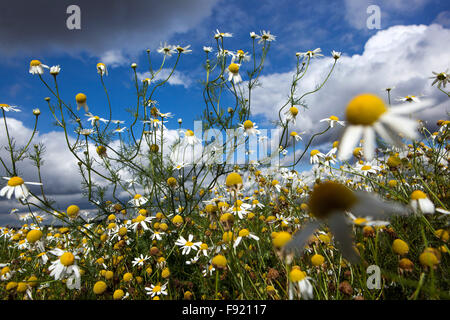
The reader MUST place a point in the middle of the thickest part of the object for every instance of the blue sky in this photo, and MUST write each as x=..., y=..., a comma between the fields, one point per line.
x=413, y=41
x=298, y=25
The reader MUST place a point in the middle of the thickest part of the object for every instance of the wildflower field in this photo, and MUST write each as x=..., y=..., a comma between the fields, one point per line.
x=182, y=219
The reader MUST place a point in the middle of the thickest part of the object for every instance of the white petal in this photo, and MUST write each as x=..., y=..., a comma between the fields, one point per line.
x=369, y=143
x=350, y=138
x=400, y=124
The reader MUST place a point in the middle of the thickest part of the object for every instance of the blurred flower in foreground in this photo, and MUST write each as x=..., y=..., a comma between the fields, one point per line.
x=367, y=114
x=328, y=202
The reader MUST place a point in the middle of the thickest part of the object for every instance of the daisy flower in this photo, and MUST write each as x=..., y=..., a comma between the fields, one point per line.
x=249, y=128
x=244, y=233
x=141, y=222
x=367, y=114
x=336, y=55
x=296, y=136
x=316, y=156
x=95, y=119
x=233, y=72
x=101, y=69
x=81, y=99
x=441, y=79
x=266, y=36
x=66, y=267
x=156, y=290
x=139, y=261
x=181, y=49
x=328, y=202
x=291, y=114
x=166, y=49
x=138, y=200
x=222, y=35
x=300, y=285
x=209, y=270
x=36, y=67
x=190, y=138
x=409, y=99
x=420, y=202
x=187, y=245
x=157, y=235
x=207, y=49
x=17, y=186
x=332, y=120
x=119, y=130
x=54, y=70
x=367, y=168
x=310, y=54
x=7, y=107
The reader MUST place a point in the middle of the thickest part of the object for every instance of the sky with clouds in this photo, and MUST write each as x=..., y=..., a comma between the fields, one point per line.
x=413, y=41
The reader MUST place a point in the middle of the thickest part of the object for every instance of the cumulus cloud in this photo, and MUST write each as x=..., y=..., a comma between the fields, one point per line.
x=401, y=56
x=177, y=77
x=109, y=28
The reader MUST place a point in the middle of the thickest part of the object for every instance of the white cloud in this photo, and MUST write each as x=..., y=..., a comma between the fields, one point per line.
x=177, y=78
x=401, y=56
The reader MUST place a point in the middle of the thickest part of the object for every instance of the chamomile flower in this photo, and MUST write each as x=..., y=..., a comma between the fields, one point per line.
x=7, y=107
x=291, y=114
x=266, y=37
x=207, y=49
x=17, y=186
x=300, y=285
x=421, y=203
x=54, y=70
x=81, y=99
x=249, y=128
x=441, y=79
x=296, y=136
x=166, y=49
x=221, y=35
x=101, y=69
x=66, y=268
x=367, y=168
x=310, y=54
x=409, y=99
x=184, y=50
x=190, y=138
x=328, y=202
x=141, y=222
x=139, y=261
x=95, y=119
x=316, y=156
x=156, y=290
x=187, y=245
x=244, y=233
x=336, y=55
x=233, y=72
x=36, y=67
x=367, y=114
x=332, y=120
x=138, y=200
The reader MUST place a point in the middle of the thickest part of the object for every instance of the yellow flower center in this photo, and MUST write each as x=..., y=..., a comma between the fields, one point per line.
x=233, y=179
x=203, y=246
x=34, y=235
x=219, y=261
x=297, y=275
x=281, y=238
x=99, y=287
x=334, y=118
x=366, y=167
x=189, y=244
x=140, y=218
x=35, y=63
x=244, y=233
x=314, y=152
x=248, y=125
x=416, y=195
x=67, y=259
x=156, y=289
x=189, y=133
x=400, y=247
x=365, y=109
x=137, y=196
x=72, y=211
x=329, y=197
x=233, y=68
x=80, y=98
x=15, y=181
x=293, y=111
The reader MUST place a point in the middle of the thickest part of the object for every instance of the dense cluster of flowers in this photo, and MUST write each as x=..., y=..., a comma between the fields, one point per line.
x=202, y=230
